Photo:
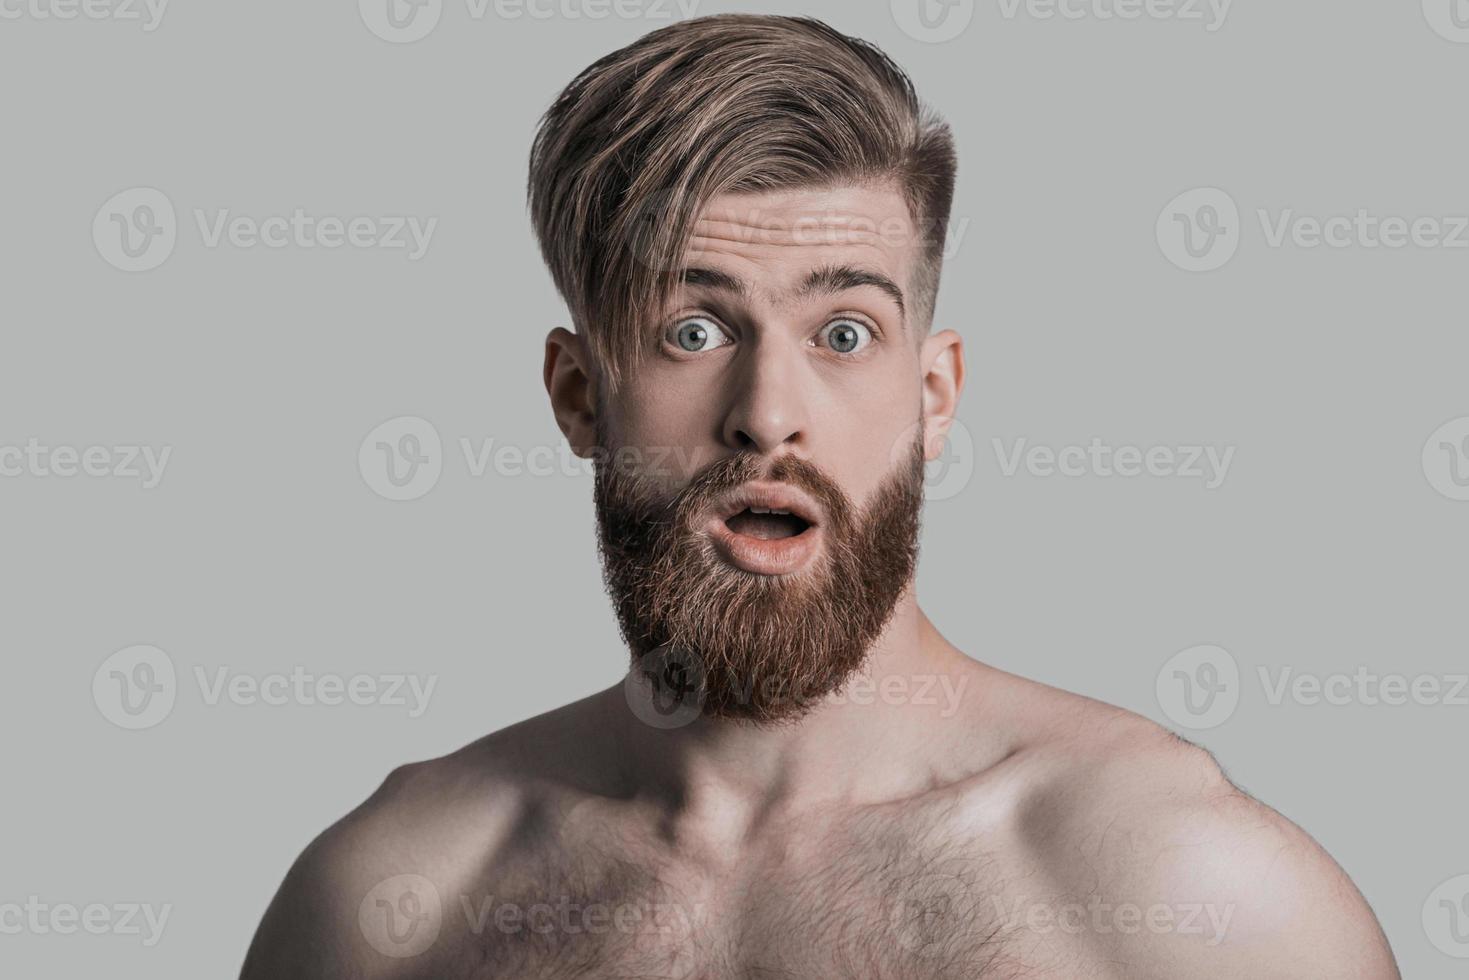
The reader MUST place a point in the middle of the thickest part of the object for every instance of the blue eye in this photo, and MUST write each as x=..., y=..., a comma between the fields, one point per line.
x=697, y=334
x=846, y=336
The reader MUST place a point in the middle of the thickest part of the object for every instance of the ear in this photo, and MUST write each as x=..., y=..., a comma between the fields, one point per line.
x=942, y=362
x=568, y=376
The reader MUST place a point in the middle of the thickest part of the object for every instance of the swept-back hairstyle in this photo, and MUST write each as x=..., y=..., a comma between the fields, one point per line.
x=640, y=141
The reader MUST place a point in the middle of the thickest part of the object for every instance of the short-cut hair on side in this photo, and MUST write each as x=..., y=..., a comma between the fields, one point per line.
x=634, y=148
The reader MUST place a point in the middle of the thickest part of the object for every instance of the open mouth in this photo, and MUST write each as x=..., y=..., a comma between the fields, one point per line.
x=767, y=529
x=766, y=523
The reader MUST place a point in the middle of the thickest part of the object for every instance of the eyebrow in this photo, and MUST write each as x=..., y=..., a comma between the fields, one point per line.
x=827, y=279
x=714, y=279
x=837, y=278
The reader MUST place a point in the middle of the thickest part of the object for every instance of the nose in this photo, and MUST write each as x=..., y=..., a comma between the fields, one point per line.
x=767, y=408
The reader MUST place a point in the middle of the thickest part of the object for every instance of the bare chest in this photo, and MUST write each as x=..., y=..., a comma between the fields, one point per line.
x=875, y=914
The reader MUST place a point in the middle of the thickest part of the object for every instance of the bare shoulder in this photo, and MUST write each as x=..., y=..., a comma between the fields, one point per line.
x=1173, y=870
x=367, y=897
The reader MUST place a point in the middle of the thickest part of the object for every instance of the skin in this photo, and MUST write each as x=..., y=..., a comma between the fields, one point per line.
x=980, y=826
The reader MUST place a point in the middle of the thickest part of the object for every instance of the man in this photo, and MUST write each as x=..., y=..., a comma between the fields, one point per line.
x=746, y=216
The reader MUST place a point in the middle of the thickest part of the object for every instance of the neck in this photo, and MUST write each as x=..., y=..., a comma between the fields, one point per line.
x=889, y=732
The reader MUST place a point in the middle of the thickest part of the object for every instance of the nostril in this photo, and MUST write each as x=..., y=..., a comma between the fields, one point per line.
x=764, y=424
x=745, y=440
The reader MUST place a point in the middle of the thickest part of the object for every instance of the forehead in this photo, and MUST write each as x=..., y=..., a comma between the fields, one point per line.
x=781, y=236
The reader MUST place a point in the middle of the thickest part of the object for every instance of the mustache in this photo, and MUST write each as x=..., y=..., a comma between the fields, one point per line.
x=639, y=496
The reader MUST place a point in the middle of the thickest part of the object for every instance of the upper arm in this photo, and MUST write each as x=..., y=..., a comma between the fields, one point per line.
x=1188, y=876
x=305, y=930
x=313, y=927
x=1269, y=902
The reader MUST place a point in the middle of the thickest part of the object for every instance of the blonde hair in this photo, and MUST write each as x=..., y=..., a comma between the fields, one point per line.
x=641, y=140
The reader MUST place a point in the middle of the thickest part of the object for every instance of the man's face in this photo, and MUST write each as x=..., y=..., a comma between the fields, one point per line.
x=787, y=336
x=788, y=376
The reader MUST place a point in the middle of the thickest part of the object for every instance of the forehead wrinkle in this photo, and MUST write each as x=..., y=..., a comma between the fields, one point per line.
x=843, y=241
x=829, y=280
x=856, y=232
x=701, y=247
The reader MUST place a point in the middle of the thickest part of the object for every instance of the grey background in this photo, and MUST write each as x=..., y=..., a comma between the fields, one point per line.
x=264, y=548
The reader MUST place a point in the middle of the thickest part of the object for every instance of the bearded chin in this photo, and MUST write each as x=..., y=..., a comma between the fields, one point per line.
x=755, y=648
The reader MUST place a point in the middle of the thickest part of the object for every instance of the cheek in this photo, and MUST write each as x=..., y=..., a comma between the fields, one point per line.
x=867, y=435
x=667, y=428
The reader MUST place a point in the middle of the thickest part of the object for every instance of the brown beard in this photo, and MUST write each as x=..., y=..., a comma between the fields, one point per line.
x=757, y=648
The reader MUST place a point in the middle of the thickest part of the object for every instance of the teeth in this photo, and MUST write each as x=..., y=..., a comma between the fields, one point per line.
x=767, y=510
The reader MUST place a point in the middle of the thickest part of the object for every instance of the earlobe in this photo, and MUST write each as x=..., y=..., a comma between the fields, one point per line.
x=567, y=375
x=942, y=360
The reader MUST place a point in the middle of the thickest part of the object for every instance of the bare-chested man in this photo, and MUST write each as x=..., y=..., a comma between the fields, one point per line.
x=800, y=778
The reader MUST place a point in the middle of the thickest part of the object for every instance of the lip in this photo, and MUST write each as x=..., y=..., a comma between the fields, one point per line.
x=774, y=556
